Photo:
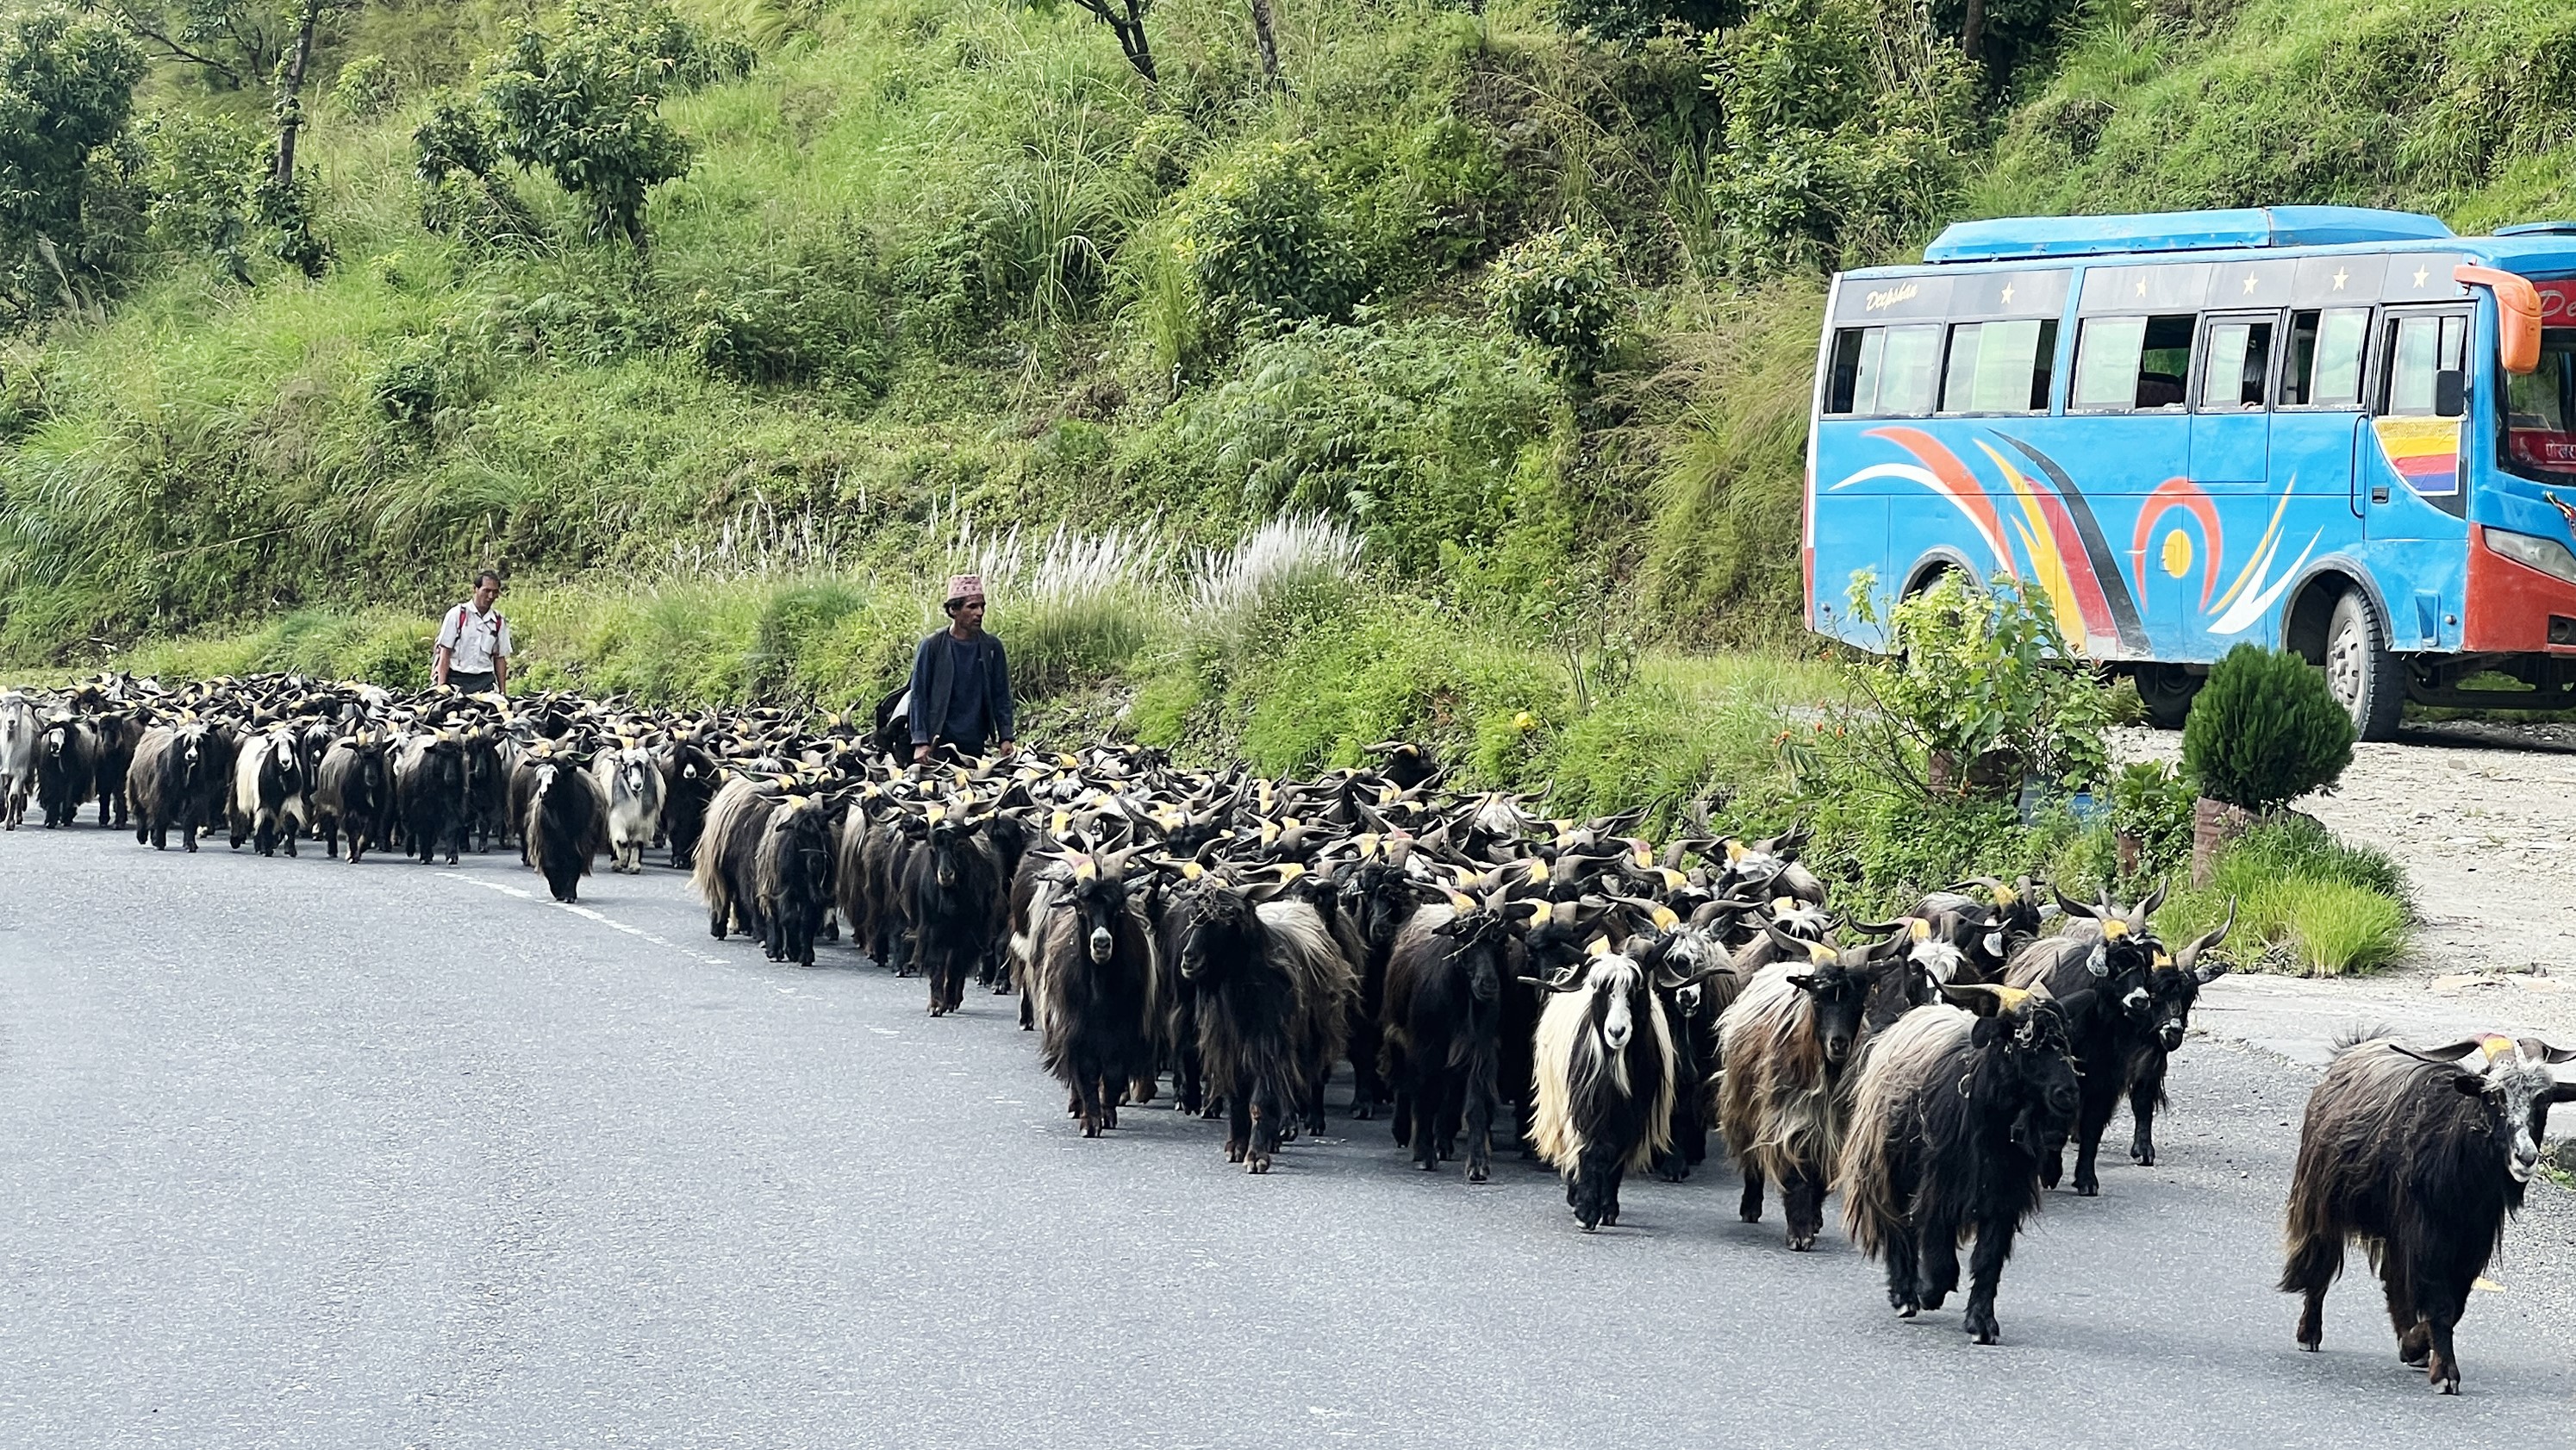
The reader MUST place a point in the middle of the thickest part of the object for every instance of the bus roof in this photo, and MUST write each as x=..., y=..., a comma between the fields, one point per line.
x=2016, y=238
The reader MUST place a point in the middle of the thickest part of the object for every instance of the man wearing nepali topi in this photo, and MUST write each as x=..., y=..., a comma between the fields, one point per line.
x=960, y=695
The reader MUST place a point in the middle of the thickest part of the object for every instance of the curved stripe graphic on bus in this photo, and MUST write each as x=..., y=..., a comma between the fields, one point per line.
x=2424, y=451
x=2062, y=551
x=2175, y=553
x=2067, y=557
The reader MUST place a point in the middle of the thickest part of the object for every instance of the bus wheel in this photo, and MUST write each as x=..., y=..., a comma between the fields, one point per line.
x=2167, y=691
x=2361, y=669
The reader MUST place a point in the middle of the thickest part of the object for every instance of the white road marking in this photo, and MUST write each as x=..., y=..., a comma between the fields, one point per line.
x=588, y=914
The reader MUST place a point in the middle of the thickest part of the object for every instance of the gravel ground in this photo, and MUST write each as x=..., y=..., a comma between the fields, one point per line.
x=2483, y=817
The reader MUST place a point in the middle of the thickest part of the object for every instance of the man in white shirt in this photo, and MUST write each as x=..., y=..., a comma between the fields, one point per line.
x=474, y=642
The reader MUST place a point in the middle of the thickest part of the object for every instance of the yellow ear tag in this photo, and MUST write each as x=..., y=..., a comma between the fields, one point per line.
x=787, y=782
x=1459, y=902
x=1192, y=871
x=2495, y=1047
x=1062, y=823
x=1666, y=919
x=1644, y=858
x=1783, y=905
x=933, y=814
x=723, y=774
x=1538, y=873
x=1084, y=868
x=1067, y=761
x=1269, y=832
x=2113, y=928
x=1673, y=880
x=1290, y=872
x=798, y=802
x=2006, y=896
x=1922, y=929
x=1821, y=954
x=1735, y=851
x=1598, y=947
x=2011, y=997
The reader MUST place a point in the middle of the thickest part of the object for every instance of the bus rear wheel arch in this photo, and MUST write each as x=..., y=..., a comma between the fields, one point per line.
x=2335, y=625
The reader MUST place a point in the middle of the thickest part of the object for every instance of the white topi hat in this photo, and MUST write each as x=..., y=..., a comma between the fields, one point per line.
x=965, y=586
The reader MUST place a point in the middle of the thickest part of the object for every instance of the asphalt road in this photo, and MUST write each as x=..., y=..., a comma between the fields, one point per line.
x=299, y=1154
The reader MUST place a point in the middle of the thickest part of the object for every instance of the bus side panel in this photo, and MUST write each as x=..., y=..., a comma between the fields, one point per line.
x=1848, y=528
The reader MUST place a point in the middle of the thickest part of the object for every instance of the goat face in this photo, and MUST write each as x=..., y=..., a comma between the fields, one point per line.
x=2516, y=1088
x=1217, y=920
x=950, y=839
x=1617, y=986
x=1099, y=901
x=2036, y=1072
x=632, y=769
x=1838, y=993
x=2170, y=993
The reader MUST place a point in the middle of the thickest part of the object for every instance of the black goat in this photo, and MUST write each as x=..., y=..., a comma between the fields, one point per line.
x=952, y=898
x=353, y=795
x=1271, y=991
x=116, y=735
x=792, y=877
x=1090, y=983
x=490, y=814
x=2422, y=1156
x=429, y=794
x=562, y=825
x=1952, y=1115
x=2172, y=987
x=165, y=784
x=1786, y=1043
x=66, y=769
x=690, y=777
x=2104, y=957
x=1442, y=1052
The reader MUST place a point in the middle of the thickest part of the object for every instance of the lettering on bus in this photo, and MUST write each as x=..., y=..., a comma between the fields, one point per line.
x=1887, y=297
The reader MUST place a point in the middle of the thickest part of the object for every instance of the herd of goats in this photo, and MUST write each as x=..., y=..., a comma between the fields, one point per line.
x=1623, y=999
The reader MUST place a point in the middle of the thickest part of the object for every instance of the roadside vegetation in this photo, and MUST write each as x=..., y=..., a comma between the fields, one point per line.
x=1398, y=367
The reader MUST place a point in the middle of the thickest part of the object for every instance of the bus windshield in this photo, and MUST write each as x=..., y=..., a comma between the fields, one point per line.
x=2540, y=412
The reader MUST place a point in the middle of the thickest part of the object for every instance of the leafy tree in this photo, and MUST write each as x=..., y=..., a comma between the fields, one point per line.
x=2265, y=730
x=1561, y=291
x=66, y=94
x=586, y=107
x=1634, y=20
x=1847, y=123
x=234, y=44
x=204, y=182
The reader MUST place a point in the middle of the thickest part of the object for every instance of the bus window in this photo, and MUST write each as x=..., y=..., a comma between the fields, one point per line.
x=2540, y=412
x=1855, y=349
x=2124, y=363
x=1999, y=367
x=1908, y=368
x=1883, y=371
x=2324, y=366
x=2418, y=349
x=2240, y=356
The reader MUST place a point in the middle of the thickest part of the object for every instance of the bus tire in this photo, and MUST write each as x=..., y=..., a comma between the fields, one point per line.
x=2361, y=669
x=2167, y=692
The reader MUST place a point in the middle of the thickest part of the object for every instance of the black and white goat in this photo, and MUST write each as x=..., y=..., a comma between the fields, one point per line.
x=165, y=784
x=2101, y=960
x=1608, y=1070
x=18, y=731
x=632, y=782
x=268, y=792
x=1786, y=1043
x=66, y=768
x=1089, y=979
x=2173, y=986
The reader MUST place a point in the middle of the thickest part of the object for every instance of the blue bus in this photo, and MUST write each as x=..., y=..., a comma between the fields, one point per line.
x=2339, y=430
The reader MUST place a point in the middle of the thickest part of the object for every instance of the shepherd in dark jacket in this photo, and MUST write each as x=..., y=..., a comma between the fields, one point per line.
x=960, y=695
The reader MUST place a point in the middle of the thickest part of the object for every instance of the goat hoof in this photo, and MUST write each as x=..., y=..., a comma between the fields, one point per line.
x=1477, y=1173
x=2088, y=1190
x=1258, y=1163
x=1801, y=1243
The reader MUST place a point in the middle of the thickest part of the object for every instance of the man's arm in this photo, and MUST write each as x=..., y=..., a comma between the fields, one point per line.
x=1005, y=721
x=438, y=667
x=917, y=706
x=500, y=674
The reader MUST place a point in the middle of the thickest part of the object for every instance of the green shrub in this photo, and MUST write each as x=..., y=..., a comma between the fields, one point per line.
x=1266, y=239
x=2265, y=730
x=787, y=323
x=1978, y=670
x=2153, y=803
x=585, y=106
x=2336, y=928
x=366, y=88
x=1561, y=291
x=2303, y=898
